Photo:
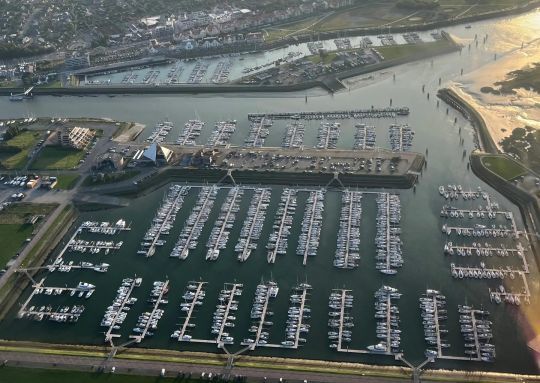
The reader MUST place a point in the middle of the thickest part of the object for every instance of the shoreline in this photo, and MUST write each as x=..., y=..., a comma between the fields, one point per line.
x=327, y=82
x=150, y=361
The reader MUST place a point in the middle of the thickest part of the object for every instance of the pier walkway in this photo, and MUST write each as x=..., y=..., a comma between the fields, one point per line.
x=334, y=115
x=281, y=234
x=187, y=319
x=109, y=335
x=138, y=338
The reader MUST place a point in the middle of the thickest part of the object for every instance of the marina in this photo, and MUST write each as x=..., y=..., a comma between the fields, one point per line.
x=328, y=135
x=164, y=219
x=223, y=130
x=93, y=247
x=476, y=331
x=116, y=313
x=193, y=297
x=192, y=229
x=483, y=250
x=422, y=246
x=160, y=132
x=149, y=319
x=364, y=137
x=220, y=233
x=251, y=230
x=401, y=137
x=192, y=130
x=258, y=131
x=348, y=240
x=294, y=135
x=388, y=241
x=308, y=242
x=278, y=240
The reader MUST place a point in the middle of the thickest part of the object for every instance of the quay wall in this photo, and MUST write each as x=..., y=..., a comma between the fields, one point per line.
x=484, y=138
x=253, y=177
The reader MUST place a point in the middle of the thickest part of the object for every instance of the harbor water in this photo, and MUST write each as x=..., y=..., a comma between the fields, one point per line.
x=437, y=133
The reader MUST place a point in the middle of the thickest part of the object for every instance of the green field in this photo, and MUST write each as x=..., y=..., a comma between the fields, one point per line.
x=67, y=181
x=24, y=141
x=504, y=167
x=400, y=51
x=26, y=375
x=12, y=236
x=56, y=157
x=372, y=14
x=13, y=227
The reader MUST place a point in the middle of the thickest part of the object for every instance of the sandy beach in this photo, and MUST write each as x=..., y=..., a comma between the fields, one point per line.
x=505, y=112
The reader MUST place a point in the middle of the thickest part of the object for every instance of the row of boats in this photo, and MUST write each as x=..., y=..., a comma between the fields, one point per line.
x=59, y=265
x=401, y=137
x=164, y=219
x=173, y=77
x=222, y=72
x=222, y=133
x=297, y=315
x=223, y=318
x=501, y=295
x=343, y=44
x=328, y=134
x=308, y=241
x=105, y=227
x=478, y=272
x=387, y=240
x=388, y=112
x=258, y=131
x=222, y=227
x=193, y=297
x=93, y=247
x=252, y=227
x=433, y=307
x=294, y=135
x=116, y=313
x=455, y=191
x=340, y=321
x=348, y=240
x=192, y=229
x=62, y=314
x=387, y=316
x=478, y=249
x=259, y=313
x=148, y=320
x=364, y=137
x=453, y=212
x=278, y=240
x=192, y=130
x=477, y=333
x=481, y=231
x=199, y=71
x=160, y=132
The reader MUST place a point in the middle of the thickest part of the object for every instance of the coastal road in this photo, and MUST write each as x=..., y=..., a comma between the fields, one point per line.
x=153, y=368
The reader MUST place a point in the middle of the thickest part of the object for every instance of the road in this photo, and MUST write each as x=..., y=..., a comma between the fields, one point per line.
x=153, y=368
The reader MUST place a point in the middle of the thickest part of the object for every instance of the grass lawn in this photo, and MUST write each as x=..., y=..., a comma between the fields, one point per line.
x=56, y=157
x=26, y=375
x=18, y=212
x=326, y=59
x=67, y=181
x=503, y=166
x=25, y=141
x=12, y=236
x=398, y=51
